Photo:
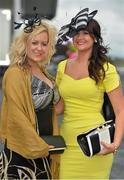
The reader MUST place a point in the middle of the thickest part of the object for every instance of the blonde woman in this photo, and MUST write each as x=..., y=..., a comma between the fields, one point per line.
x=28, y=105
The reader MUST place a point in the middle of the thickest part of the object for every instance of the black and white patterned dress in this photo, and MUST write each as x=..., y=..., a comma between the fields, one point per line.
x=18, y=167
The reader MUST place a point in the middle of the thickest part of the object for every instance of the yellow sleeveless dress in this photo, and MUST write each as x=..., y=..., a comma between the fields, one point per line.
x=83, y=103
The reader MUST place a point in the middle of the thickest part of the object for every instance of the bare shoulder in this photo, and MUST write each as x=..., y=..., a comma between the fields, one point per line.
x=70, y=62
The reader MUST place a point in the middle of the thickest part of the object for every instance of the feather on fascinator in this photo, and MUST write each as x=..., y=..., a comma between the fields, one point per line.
x=77, y=23
x=29, y=23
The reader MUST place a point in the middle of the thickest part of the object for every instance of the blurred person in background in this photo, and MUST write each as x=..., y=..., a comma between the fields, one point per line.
x=71, y=51
x=82, y=84
x=59, y=55
x=28, y=105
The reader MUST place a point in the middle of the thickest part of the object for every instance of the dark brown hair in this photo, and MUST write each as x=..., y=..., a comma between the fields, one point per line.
x=98, y=57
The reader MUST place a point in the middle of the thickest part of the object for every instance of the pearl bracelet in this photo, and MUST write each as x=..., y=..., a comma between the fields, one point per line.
x=115, y=149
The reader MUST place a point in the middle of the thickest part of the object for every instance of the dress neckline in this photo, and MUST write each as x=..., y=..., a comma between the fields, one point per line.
x=44, y=82
x=69, y=76
x=83, y=78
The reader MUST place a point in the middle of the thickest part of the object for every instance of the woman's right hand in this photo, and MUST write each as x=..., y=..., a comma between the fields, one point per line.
x=59, y=107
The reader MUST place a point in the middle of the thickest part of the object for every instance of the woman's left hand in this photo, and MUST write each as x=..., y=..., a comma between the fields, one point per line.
x=107, y=148
x=51, y=147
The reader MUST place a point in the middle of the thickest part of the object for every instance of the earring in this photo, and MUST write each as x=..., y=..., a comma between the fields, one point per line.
x=95, y=41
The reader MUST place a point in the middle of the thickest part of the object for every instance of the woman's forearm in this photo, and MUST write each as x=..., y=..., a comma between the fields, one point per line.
x=119, y=129
x=59, y=107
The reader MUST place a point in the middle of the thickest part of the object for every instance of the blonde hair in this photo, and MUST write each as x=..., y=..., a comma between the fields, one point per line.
x=17, y=53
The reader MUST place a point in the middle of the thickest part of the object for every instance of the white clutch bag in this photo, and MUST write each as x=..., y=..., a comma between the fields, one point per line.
x=89, y=142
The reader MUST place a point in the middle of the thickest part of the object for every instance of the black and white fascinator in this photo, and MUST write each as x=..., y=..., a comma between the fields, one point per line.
x=77, y=23
x=29, y=23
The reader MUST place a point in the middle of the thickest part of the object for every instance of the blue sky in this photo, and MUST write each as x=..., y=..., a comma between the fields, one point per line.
x=110, y=16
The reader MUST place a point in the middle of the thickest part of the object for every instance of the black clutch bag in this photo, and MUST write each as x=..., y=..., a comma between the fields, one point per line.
x=89, y=142
x=57, y=141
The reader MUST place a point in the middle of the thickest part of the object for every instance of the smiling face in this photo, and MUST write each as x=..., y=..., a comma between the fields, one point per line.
x=83, y=41
x=37, y=47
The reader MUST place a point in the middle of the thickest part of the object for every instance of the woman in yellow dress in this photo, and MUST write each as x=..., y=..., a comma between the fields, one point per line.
x=82, y=83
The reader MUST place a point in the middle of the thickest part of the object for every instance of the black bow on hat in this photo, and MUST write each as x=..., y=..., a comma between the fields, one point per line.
x=77, y=23
x=30, y=23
